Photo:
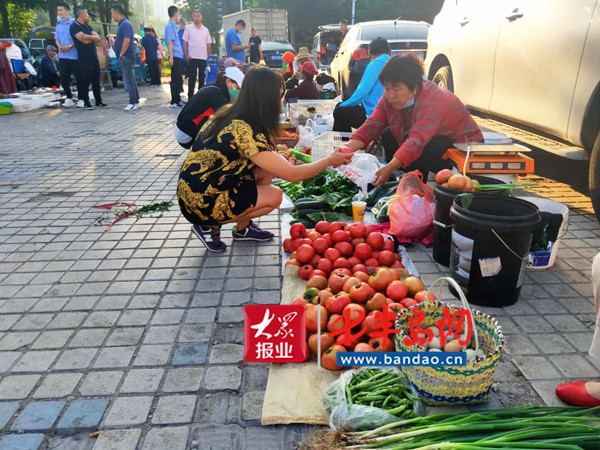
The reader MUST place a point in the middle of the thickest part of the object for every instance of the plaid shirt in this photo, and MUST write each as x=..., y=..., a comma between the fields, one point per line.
x=436, y=112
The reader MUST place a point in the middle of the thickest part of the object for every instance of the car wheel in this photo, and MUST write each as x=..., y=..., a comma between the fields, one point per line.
x=594, y=176
x=443, y=78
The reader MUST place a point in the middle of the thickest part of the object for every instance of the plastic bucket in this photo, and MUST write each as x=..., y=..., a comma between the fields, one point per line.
x=543, y=259
x=491, y=239
x=442, y=225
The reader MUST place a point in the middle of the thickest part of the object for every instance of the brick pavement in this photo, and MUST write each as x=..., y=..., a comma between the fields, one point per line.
x=138, y=332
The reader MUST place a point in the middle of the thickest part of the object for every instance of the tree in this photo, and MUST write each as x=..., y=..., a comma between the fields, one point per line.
x=20, y=16
x=21, y=19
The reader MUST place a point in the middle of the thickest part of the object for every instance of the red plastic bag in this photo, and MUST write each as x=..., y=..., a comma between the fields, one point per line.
x=411, y=210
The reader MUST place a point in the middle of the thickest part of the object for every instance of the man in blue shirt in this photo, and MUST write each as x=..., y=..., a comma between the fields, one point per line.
x=233, y=43
x=353, y=112
x=175, y=56
x=124, y=49
x=67, y=53
x=49, y=73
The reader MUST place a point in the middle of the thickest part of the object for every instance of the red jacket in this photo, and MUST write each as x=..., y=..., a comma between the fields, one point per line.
x=436, y=112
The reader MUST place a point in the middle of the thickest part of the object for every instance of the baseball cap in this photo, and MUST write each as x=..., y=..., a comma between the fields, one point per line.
x=235, y=74
x=309, y=67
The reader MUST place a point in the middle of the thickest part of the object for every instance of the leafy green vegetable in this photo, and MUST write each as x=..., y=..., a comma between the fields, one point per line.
x=326, y=216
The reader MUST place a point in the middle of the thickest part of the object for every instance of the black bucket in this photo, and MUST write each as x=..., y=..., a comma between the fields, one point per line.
x=491, y=238
x=442, y=225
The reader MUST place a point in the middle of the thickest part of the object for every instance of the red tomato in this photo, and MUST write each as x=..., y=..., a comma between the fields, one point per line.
x=342, y=270
x=344, y=247
x=294, y=255
x=341, y=263
x=316, y=281
x=334, y=226
x=386, y=258
x=329, y=358
x=369, y=323
x=356, y=311
x=325, y=265
x=357, y=241
x=389, y=245
x=341, y=340
x=323, y=296
x=311, y=316
x=424, y=296
x=305, y=253
x=353, y=260
x=361, y=292
x=381, y=279
x=287, y=245
x=305, y=271
x=397, y=265
x=326, y=342
x=372, y=262
x=293, y=262
x=297, y=231
x=360, y=268
x=370, y=229
x=413, y=285
x=318, y=272
x=336, y=322
x=376, y=302
x=396, y=290
x=315, y=260
x=322, y=227
x=363, y=251
x=295, y=244
x=339, y=236
x=375, y=240
x=306, y=351
x=327, y=237
x=300, y=301
x=396, y=307
x=332, y=254
x=363, y=347
x=320, y=245
x=337, y=303
x=408, y=302
x=362, y=276
x=307, y=241
x=395, y=274
x=381, y=345
x=313, y=235
x=375, y=254
x=357, y=229
x=337, y=281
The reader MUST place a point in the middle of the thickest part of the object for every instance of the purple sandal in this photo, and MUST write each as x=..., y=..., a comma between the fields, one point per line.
x=252, y=233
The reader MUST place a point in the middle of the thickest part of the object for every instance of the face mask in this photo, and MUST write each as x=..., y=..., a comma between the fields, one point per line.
x=178, y=27
x=60, y=19
x=240, y=32
x=233, y=93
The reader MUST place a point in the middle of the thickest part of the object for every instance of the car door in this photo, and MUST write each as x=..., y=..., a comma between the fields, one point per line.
x=537, y=61
x=476, y=28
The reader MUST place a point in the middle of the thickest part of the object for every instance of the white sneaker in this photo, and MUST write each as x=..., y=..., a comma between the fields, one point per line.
x=129, y=107
x=137, y=106
x=68, y=103
x=80, y=104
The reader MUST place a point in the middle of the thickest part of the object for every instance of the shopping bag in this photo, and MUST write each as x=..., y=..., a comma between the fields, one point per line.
x=412, y=208
x=306, y=133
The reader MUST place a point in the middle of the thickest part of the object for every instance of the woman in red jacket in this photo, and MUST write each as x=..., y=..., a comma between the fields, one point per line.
x=416, y=120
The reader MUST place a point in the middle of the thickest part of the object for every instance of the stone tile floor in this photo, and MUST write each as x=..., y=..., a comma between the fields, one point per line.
x=138, y=332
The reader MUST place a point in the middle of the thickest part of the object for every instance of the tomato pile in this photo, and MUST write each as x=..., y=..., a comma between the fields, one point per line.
x=356, y=295
x=447, y=178
x=337, y=245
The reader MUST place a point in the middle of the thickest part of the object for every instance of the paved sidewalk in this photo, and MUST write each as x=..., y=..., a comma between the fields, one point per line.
x=138, y=332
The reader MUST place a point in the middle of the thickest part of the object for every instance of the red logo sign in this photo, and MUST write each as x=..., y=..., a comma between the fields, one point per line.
x=274, y=333
x=450, y=326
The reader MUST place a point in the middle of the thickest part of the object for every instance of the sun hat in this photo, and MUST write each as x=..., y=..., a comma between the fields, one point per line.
x=235, y=74
x=304, y=53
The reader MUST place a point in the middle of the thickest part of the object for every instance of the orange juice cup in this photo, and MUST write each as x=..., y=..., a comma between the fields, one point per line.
x=358, y=211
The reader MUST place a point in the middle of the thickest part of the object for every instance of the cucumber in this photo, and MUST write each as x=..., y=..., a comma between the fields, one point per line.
x=309, y=203
x=305, y=211
x=306, y=222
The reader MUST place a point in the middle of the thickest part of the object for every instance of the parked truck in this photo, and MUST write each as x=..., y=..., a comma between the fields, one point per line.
x=270, y=24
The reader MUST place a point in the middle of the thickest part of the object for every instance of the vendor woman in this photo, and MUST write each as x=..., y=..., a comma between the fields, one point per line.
x=226, y=177
x=416, y=120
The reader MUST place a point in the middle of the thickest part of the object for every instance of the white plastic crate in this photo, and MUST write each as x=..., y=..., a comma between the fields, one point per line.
x=323, y=145
x=303, y=110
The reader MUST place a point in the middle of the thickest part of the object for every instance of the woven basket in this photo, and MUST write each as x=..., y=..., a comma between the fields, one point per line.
x=442, y=385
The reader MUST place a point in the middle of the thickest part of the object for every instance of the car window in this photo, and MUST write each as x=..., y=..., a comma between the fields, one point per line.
x=390, y=31
x=270, y=46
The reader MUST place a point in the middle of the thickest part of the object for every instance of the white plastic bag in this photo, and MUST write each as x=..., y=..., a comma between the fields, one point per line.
x=306, y=133
x=362, y=169
x=111, y=53
x=344, y=416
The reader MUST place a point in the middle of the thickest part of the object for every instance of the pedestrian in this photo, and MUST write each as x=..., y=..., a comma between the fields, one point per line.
x=226, y=177
x=68, y=63
x=49, y=73
x=303, y=56
x=587, y=393
x=343, y=27
x=255, y=44
x=182, y=26
x=150, y=44
x=233, y=43
x=159, y=55
x=175, y=56
x=196, y=47
x=207, y=101
x=124, y=48
x=353, y=112
x=307, y=89
x=85, y=39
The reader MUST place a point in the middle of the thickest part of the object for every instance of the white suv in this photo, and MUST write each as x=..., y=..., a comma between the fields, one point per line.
x=532, y=63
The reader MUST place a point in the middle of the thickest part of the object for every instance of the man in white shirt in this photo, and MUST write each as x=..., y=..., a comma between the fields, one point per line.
x=196, y=47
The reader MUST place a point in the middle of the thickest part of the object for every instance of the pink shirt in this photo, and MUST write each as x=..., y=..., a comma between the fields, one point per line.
x=197, y=39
